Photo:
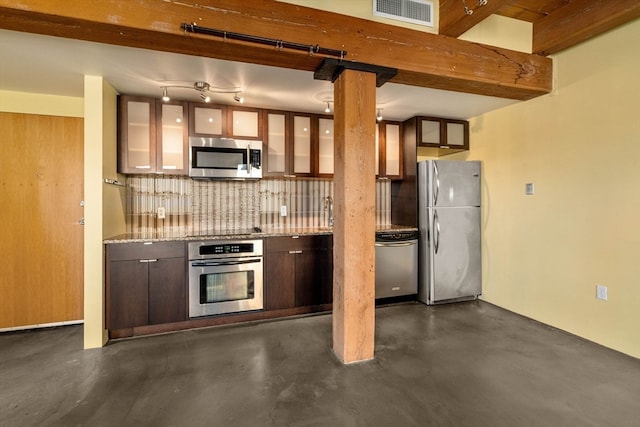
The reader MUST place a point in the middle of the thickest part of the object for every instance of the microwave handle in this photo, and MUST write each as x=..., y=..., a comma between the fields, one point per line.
x=249, y=159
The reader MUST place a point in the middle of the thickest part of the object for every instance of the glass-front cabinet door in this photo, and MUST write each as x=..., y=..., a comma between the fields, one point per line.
x=393, y=150
x=172, y=138
x=207, y=120
x=429, y=133
x=302, y=155
x=137, y=139
x=245, y=123
x=457, y=134
x=275, y=144
x=389, y=150
x=325, y=146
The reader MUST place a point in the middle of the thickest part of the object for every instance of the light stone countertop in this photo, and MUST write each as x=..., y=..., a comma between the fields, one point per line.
x=163, y=236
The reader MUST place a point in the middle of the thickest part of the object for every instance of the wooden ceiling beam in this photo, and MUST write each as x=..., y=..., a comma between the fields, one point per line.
x=454, y=20
x=422, y=59
x=580, y=20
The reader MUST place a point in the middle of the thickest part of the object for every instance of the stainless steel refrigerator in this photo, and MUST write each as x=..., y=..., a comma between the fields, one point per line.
x=450, y=265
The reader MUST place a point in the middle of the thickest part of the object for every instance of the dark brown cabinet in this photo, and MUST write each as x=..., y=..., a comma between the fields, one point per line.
x=438, y=136
x=212, y=120
x=289, y=144
x=389, y=150
x=298, y=271
x=152, y=136
x=146, y=284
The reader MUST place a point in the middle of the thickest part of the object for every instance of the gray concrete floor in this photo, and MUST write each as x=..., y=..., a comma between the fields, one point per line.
x=467, y=364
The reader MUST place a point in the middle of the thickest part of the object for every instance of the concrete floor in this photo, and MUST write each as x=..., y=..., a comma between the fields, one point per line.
x=467, y=364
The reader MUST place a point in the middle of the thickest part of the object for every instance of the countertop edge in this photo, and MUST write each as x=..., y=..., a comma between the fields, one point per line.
x=137, y=238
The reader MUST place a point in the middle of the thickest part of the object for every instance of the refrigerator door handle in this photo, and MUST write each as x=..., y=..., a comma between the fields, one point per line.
x=436, y=226
x=436, y=183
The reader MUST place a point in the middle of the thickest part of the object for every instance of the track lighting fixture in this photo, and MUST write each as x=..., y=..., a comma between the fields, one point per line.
x=470, y=11
x=328, y=108
x=379, y=114
x=203, y=88
x=466, y=8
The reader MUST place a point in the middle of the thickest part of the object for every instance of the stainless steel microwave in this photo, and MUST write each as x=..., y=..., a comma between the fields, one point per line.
x=225, y=158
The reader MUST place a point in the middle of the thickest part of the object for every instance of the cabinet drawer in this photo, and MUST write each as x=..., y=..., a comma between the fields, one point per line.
x=300, y=243
x=149, y=250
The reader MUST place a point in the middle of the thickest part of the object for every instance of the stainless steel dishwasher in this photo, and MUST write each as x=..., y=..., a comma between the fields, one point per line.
x=396, y=263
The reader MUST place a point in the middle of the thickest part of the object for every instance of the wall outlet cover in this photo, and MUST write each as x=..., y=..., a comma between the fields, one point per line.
x=161, y=213
x=529, y=189
x=601, y=292
x=283, y=210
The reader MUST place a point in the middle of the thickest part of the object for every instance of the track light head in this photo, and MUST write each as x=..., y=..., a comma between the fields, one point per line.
x=238, y=98
x=379, y=114
x=165, y=95
x=328, y=108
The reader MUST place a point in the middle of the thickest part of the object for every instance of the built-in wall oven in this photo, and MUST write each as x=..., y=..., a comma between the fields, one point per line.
x=225, y=276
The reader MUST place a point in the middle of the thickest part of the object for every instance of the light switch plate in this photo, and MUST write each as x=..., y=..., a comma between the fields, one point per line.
x=161, y=213
x=601, y=292
x=283, y=210
x=528, y=189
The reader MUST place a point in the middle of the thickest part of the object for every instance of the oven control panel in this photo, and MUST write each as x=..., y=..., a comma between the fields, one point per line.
x=214, y=249
x=234, y=248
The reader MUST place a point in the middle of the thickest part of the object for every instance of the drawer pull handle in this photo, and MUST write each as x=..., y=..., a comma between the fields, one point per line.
x=149, y=260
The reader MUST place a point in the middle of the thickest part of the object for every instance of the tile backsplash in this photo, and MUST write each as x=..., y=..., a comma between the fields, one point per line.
x=199, y=206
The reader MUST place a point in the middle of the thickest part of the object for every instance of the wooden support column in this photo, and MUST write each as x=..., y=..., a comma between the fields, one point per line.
x=354, y=229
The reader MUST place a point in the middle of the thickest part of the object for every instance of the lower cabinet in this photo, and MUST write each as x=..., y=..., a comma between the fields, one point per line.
x=298, y=271
x=146, y=284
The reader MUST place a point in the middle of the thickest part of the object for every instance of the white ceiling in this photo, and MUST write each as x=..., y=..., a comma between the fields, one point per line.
x=52, y=65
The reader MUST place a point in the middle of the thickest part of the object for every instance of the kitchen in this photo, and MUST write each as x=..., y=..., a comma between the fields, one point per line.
x=569, y=157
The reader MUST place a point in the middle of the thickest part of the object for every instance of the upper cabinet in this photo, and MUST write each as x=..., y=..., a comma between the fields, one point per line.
x=289, y=144
x=325, y=146
x=153, y=136
x=244, y=123
x=207, y=120
x=211, y=120
x=172, y=138
x=389, y=150
x=440, y=136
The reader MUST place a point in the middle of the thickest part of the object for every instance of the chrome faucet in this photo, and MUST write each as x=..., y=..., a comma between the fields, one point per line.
x=328, y=204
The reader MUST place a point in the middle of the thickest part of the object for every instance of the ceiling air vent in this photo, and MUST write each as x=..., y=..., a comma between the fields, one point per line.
x=414, y=11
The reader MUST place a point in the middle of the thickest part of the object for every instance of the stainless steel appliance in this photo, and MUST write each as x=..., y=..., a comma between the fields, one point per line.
x=396, y=263
x=449, y=222
x=225, y=158
x=225, y=276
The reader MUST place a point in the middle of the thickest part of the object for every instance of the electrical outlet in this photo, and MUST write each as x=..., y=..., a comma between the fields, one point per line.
x=161, y=213
x=601, y=292
x=283, y=210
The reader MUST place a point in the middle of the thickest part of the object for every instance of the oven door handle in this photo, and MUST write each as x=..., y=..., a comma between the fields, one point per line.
x=221, y=263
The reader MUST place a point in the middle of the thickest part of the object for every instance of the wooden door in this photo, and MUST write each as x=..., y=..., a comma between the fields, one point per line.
x=41, y=240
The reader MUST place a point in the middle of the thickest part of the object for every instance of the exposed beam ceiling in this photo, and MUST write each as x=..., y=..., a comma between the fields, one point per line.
x=422, y=59
x=580, y=20
x=454, y=21
x=557, y=24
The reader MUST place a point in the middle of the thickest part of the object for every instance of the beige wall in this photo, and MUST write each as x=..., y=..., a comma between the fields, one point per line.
x=37, y=103
x=580, y=146
x=104, y=209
